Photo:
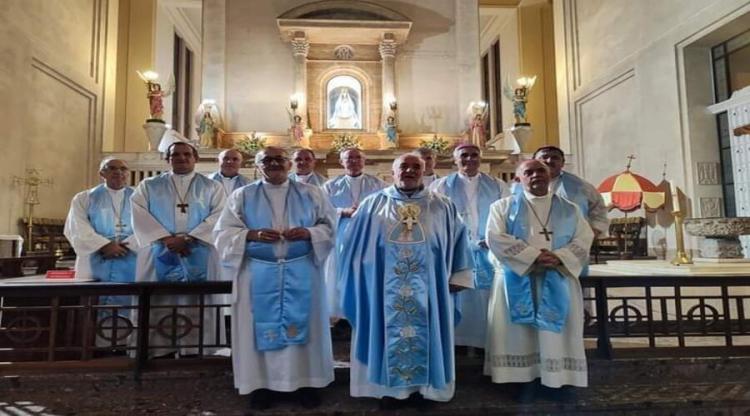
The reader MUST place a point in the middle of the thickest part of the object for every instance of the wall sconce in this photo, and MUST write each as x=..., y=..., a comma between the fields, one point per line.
x=293, y=101
x=526, y=82
x=393, y=105
x=148, y=76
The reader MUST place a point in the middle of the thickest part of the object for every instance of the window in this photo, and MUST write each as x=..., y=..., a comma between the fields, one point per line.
x=731, y=72
x=183, y=76
x=344, y=103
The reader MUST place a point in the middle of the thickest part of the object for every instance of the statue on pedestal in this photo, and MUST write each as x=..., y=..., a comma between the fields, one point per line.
x=477, y=117
x=298, y=132
x=155, y=126
x=208, y=120
x=519, y=97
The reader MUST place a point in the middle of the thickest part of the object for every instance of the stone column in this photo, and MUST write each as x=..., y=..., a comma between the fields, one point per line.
x=300, y=48
x=388, y=55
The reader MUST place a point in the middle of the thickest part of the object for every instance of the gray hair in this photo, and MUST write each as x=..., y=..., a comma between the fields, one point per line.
x=103, y=164
x=225, y=151
x=401, y=158
x=457, y=150
x=349, y=149
x=262, y=153
x=304, y=149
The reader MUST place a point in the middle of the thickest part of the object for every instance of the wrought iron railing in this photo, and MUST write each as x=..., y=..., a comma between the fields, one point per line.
x=656, y=316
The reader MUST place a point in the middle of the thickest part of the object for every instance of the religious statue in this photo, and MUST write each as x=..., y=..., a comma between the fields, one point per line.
x=345, y=113
x=208, y=120
x=519, y=97
x=155, y=93
x=298, y=132
x=390, y=139
x=477, y=115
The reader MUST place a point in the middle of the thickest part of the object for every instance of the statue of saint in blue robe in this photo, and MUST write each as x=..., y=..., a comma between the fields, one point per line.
x=344, y=192
x=399, y=256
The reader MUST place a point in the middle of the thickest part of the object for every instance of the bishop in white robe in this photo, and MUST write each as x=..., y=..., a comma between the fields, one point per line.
x=345, y=193
x=304, y=168
x=173, y=217
x=273, y=238
x=405, y=251
x=228, y=175
x=100, y=230
x=473, y=192
x=540, y=243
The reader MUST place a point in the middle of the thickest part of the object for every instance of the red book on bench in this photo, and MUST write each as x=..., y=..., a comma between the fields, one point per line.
x=61, y=274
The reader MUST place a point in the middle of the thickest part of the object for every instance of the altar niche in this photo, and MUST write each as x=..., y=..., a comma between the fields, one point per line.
x=344, y=103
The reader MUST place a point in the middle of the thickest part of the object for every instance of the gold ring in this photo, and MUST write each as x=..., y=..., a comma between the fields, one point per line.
x=260, y=234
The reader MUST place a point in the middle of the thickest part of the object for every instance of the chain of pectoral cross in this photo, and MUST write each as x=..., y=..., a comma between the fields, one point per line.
x=544, y=231
x=183, y=206
x=119, y=225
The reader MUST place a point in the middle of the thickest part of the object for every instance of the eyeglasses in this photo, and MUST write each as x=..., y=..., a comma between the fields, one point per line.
x=280, y=160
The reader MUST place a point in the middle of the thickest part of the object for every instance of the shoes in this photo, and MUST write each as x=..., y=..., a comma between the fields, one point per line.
x=527, y=392
x=308, y=397
x=420, y=403
x=261, y=399
x=390, y=403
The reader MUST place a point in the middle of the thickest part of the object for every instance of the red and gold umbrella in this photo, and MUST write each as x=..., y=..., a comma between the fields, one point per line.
x=628, y=191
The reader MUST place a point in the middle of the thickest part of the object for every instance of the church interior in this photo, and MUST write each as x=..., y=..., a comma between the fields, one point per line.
x=650, y=96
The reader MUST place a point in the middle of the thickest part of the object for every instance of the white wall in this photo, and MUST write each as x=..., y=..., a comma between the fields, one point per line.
x=259, y=73
x=52, y=77
x=503, y=26
x=621, y=83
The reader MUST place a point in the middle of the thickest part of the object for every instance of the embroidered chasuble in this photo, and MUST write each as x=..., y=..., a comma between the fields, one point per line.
x=397, y=259
x=280, y=331
x=535, y=326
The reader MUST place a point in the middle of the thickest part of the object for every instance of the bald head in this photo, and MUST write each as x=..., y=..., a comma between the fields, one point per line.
x=230, y=161
x=534, y=175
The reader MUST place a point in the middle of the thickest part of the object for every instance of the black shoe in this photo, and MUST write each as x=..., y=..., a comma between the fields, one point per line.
x=527, y=392
x=261, y=399
x=391, y=403
x=308, y=397
x=564, y=394
x=420, y=403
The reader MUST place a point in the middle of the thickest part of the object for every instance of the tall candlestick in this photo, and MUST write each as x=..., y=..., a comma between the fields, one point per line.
x=675, y=197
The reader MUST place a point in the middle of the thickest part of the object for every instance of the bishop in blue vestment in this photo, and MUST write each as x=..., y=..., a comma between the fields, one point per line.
x=473, y=192
x=404, y=252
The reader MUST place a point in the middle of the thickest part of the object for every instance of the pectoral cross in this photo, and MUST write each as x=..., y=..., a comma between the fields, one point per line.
x=119, y=227
x=183, y=207
x=546, y=233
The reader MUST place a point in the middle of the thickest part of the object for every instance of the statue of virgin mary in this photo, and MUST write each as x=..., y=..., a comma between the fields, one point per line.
x=345, y=114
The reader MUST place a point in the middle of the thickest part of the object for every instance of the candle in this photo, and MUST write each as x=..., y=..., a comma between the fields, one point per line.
x=675, y=197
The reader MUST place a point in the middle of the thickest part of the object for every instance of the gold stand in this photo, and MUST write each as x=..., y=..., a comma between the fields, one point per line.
x=32, y=182
x=681, y=256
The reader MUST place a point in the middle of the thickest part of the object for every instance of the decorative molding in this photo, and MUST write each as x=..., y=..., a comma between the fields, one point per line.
x=580, y=101
x=387, y=49
x=344, y=53
x=300, y=47
x=81, y=90
x=710, y=207
x=183, y=25
x=708, y=173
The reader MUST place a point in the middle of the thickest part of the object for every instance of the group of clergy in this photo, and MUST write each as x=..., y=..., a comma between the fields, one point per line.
x=416, y=267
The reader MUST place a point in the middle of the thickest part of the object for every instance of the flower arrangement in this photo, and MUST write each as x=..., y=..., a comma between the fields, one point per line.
x=345, y=141
x=438, y=144
x=250, y=144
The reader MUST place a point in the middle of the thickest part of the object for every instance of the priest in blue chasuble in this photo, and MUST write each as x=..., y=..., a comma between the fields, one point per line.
x=473, y=192
x=173, y=218
x=273, y=237
x=540, y=245
x=404, y=253
x=100, y=230
x=346, y=192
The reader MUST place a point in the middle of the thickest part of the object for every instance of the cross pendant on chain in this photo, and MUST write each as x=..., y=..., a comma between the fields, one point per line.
x=546, y=233
x=183, y=207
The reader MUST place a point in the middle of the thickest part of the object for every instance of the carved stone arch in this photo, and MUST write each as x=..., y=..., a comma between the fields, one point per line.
x=343, y=10
x=369, y=96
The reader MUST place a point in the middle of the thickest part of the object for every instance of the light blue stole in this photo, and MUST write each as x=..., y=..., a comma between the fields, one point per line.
x=488, y=192
x=340, y=195
x=571, y=188
x=162, y=200
x=316, y=179
x=101, y=215
x=280, y=289
x=239, y=183
x=551, y=310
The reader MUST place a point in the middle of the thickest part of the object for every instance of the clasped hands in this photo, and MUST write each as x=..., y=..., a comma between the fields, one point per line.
x=269, y=235
x=178, y=244
x=348, y=212
x=547, y=259
x=114, y=249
